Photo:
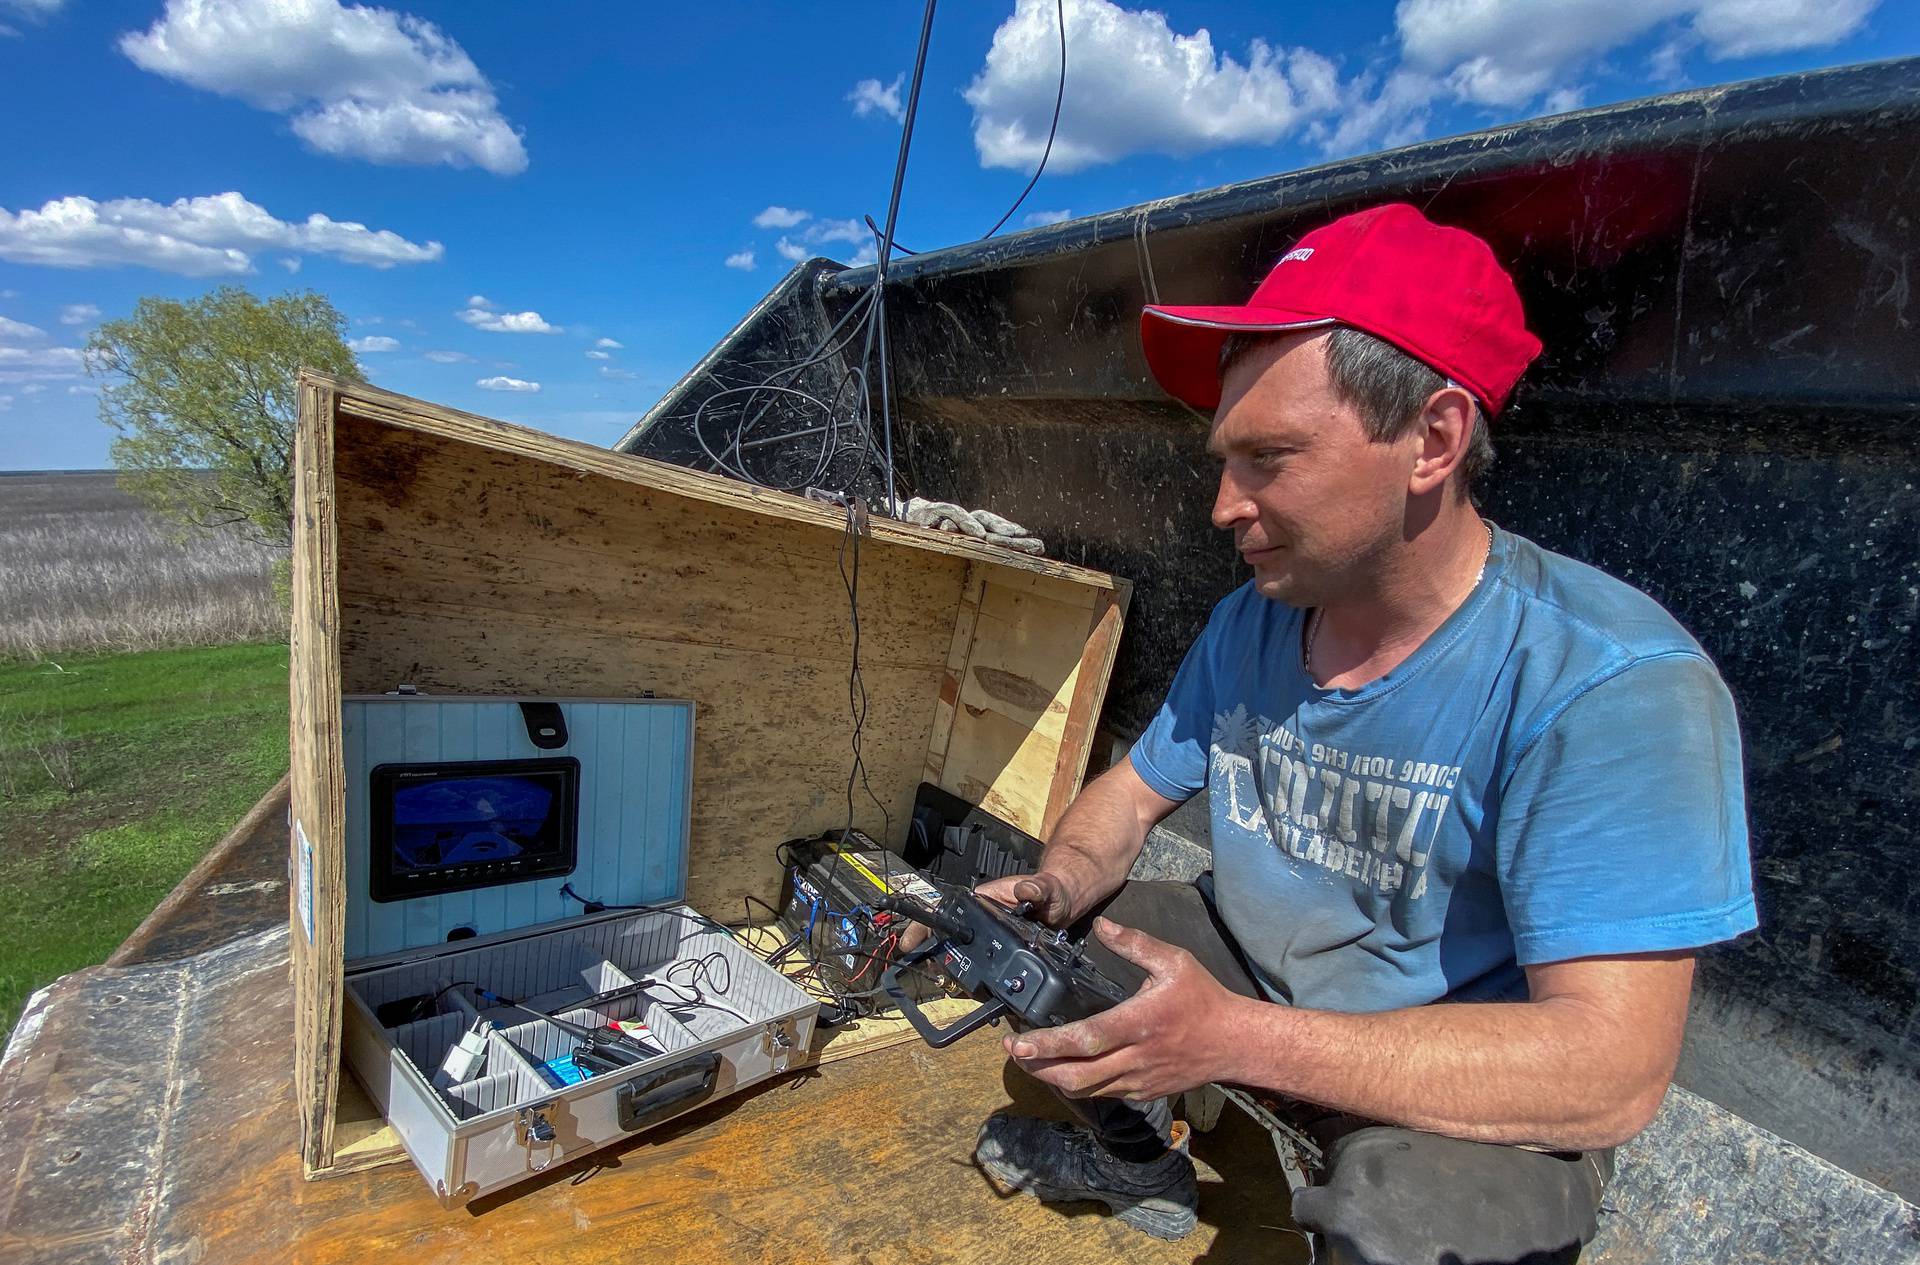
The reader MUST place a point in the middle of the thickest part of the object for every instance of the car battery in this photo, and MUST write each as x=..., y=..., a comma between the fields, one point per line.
x=830, y=916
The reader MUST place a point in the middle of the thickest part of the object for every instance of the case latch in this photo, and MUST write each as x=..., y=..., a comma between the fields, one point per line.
x=778, y=1042
x=533, y=1127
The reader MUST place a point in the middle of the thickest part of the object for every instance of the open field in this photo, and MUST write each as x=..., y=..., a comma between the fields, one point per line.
x=83, y=567
x=117, y=773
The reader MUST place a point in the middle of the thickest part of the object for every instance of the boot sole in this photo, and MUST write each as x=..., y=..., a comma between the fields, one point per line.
x=1007, y=1189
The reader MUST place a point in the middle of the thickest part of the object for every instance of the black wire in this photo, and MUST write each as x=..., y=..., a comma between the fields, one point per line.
x=591, y=906
x=1060, y=8
x=857, y=699
x=879, y=323
x=424, y=1008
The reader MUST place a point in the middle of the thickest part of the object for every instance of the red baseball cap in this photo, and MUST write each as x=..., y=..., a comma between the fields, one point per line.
x=1436, y=293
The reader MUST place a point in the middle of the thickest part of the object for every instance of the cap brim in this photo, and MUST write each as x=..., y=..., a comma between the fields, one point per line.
x=1182, y=344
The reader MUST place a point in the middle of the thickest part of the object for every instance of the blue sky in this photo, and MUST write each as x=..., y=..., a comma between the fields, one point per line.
x=583, y=199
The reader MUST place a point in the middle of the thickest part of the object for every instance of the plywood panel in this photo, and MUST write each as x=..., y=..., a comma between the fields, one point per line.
x=558, y=583
x=316, y=780
x=1014, y=698
x=1083, y=710
x=403, y=413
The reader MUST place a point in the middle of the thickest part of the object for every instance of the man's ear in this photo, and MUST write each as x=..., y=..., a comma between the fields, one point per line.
x=1446, y=428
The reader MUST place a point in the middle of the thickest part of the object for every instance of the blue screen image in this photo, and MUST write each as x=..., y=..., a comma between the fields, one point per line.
x=456, y=821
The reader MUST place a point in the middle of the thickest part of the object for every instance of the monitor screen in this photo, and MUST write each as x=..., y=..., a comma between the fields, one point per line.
x=457, y=825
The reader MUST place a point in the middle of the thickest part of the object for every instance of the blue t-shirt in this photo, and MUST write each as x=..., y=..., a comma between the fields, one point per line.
x=1554, y=774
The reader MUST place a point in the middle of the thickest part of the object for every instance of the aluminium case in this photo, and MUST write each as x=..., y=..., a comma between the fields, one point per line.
x=509, y=1124
x=725, y=1026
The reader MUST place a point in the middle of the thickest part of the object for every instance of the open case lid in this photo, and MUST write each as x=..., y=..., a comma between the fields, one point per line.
x=471, y=817
x=472, y=558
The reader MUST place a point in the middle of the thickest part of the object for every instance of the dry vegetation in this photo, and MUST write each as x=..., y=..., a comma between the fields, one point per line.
x=83, y=567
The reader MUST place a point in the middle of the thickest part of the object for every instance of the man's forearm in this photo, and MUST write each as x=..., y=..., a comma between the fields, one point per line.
x=1096, y=842
x=1524, y=1072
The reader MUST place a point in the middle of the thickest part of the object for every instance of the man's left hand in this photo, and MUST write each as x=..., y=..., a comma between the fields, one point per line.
x=1173, y=1035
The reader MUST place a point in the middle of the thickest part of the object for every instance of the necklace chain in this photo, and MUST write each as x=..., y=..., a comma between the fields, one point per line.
x=1313, y=620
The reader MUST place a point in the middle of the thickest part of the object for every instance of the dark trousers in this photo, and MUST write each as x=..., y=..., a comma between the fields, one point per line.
x=1384, y=1194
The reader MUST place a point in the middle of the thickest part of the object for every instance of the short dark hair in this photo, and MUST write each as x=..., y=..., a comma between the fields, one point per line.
x=1384, y=384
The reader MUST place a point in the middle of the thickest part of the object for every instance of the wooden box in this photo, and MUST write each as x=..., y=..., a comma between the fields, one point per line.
x=462, y=555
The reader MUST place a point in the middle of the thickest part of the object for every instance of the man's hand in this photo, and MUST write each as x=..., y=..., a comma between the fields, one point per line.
x=1171, y=1036
x=1046, y=893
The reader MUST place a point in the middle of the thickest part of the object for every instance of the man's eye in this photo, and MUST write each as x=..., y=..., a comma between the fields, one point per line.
x=1268, y=458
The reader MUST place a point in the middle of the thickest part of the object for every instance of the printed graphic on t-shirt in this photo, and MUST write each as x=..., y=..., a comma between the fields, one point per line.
x=1371, y=816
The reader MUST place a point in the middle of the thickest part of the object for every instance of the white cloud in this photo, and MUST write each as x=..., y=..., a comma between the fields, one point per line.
x=290, y=262
x=617, y=375
x=481, y=300
x=32, y=10
x=742, y=260
x=82, y=390
x=869, y=96
x=1046, y=217
x=39, y=364
x=373, y=342
x=193, y=237
x=507, y=384
x=599, y=355
x=609, y=343
x=1500, y=52
x=79, y=314
x=495, y=322
x=1396, y=114
x=359, y=82
x=1183, y=95
x=448, y=357
x=812, y=240
x=780, y=217
x=1180, y=97
x=1564, y=100
x=19, y=329
x=1750, y=28
x=837, y=231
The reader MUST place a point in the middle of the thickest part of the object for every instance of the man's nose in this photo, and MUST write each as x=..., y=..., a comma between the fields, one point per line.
x=1230, y=503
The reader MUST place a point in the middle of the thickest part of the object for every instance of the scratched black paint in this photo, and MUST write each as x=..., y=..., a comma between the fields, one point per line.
x=1724, y=416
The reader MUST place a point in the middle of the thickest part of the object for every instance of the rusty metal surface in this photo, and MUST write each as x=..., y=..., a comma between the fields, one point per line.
x=1725, y=416
x=240, y=886
x=1702, y=1185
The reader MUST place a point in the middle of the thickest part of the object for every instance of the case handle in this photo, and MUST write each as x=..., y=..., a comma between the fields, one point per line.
x=649, y=1099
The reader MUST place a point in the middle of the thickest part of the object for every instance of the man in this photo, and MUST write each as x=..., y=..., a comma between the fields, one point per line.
x=1474, y=804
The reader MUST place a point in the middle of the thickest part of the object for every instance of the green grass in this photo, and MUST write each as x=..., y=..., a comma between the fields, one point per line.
x=117, y=774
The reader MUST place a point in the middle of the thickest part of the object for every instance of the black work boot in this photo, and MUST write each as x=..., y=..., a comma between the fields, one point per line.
x=1057, y=1162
